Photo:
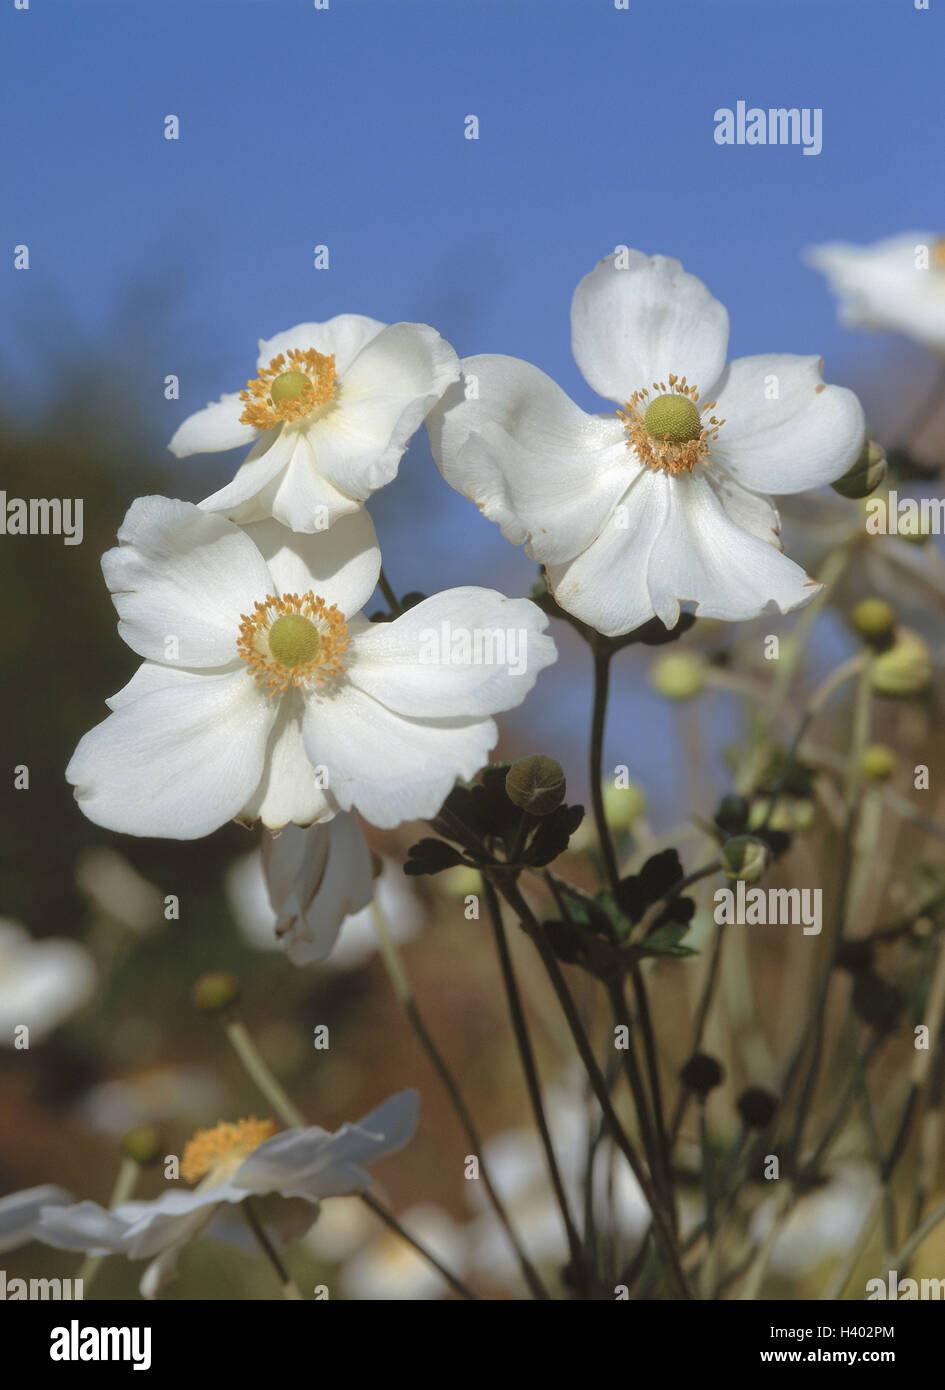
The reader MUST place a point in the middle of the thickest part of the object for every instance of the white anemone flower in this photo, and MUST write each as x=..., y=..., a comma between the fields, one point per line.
x=389, y=1270
x=42, y=983
x=230, y=1164
x=331, y=412
x=896, y=285
x=20, y=1212
x=266, y=694
x=664, y=502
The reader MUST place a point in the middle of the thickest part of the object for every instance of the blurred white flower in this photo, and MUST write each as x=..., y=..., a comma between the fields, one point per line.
x=896, y=284
x=19, y=1213
x=664, y=502
x=42, y=983
x=230, y=1164
x=332, y=410
x=387, y=1268
x=116, y=889
x=152, y=1096
x=266, y=694
x=824, y=1224
x=337, y=928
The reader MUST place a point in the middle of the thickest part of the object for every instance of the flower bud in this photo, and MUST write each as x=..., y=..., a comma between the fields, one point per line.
x=866, y=474
x=757, y=1107
x=781, y=818
x=803, y=814
x=536, y=784
x=623, y=805
x=143, y=1144
x=215, y=991
x=732, y=815
x=906, y=668
x=678, y=675
x=874, y=620
x=701, y=1073
x=878, y=762
x=744, y=857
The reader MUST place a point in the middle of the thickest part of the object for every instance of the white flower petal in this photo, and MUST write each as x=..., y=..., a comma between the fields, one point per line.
x=291, y=789
x=178, y=762
x=809, y=435
x=181, y=574
x=341, y=564
x=20, y=1213
x=213, y=429
x=749, y=510
x=702, y=556
x=324, y=889
x=81, y=1226
x=605, y=586
x=390, y=768
x=383, y=398
x=888, y=285
x=529, y=458
x=343, y=337
x=42, y=983
x=636, y=325
x=265, y=462
x=465, y=652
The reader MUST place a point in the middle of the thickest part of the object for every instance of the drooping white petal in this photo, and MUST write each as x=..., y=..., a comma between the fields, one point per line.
x=343, y=337
x=701, y=556
x=20, y=1213
x=390, y=768
x=636, y=318
x=213, y=429
x=749, y=510
x=316, y=879
x=291, y=790
x=785, y=431
x=81, y=1226
x=384, y=395
x=605, y=586
x=530, y=458
x=178, y=762
x=341, y=563
x=892, y=284
x=180, y=578
x=265, y=462
x=465, y=652
x=42, y=983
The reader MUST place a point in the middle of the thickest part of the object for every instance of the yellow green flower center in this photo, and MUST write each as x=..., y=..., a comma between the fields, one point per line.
x=293, y=640
x=673, y=417
x=290, y=386
x=294, y=386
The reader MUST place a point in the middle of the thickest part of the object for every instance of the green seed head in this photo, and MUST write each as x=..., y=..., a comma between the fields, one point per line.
x=878, y=762
x=293, y=640
x=673, y=417
x=290, y=386
x=875, y=621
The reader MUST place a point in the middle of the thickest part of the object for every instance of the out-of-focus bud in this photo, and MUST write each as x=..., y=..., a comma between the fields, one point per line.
x=781, y=818
x=906, y=668
x=215, y=991
x=732, y=815
x=623, y=805
x=701, y=1073
x=866, y=474
x=536, y=784
x=757, y=1107
x=143, y=1144
x=803, y=814
x=678, y=675
x=874, y=620
x=878, y=762
x=744, y=857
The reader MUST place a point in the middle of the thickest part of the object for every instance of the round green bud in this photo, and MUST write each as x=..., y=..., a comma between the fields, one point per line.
x=744, y=857
x=678, y=675
x=803, y=814
x=623, y=805
x=781, y=818
x=878, y=762
x=290, y=386
x=215, y=991
x=866, y=474
x=874, y=620
x=732, y=815
x=536, y=784
x=674, y=418
x=143, y=1144
x=905, y=669
x=294, y=640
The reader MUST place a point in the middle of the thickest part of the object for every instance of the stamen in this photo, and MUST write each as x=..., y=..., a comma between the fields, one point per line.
x=670, y=433
x=222, y=1149
x=289, y=390
x=292, y=640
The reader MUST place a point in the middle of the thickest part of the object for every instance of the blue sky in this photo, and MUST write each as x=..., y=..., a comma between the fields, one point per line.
x=345, y=127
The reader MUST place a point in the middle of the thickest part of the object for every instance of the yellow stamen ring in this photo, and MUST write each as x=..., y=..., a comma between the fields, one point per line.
x=292, y=640
x=669, y=433
x=223, y=1147
x=291, y=387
